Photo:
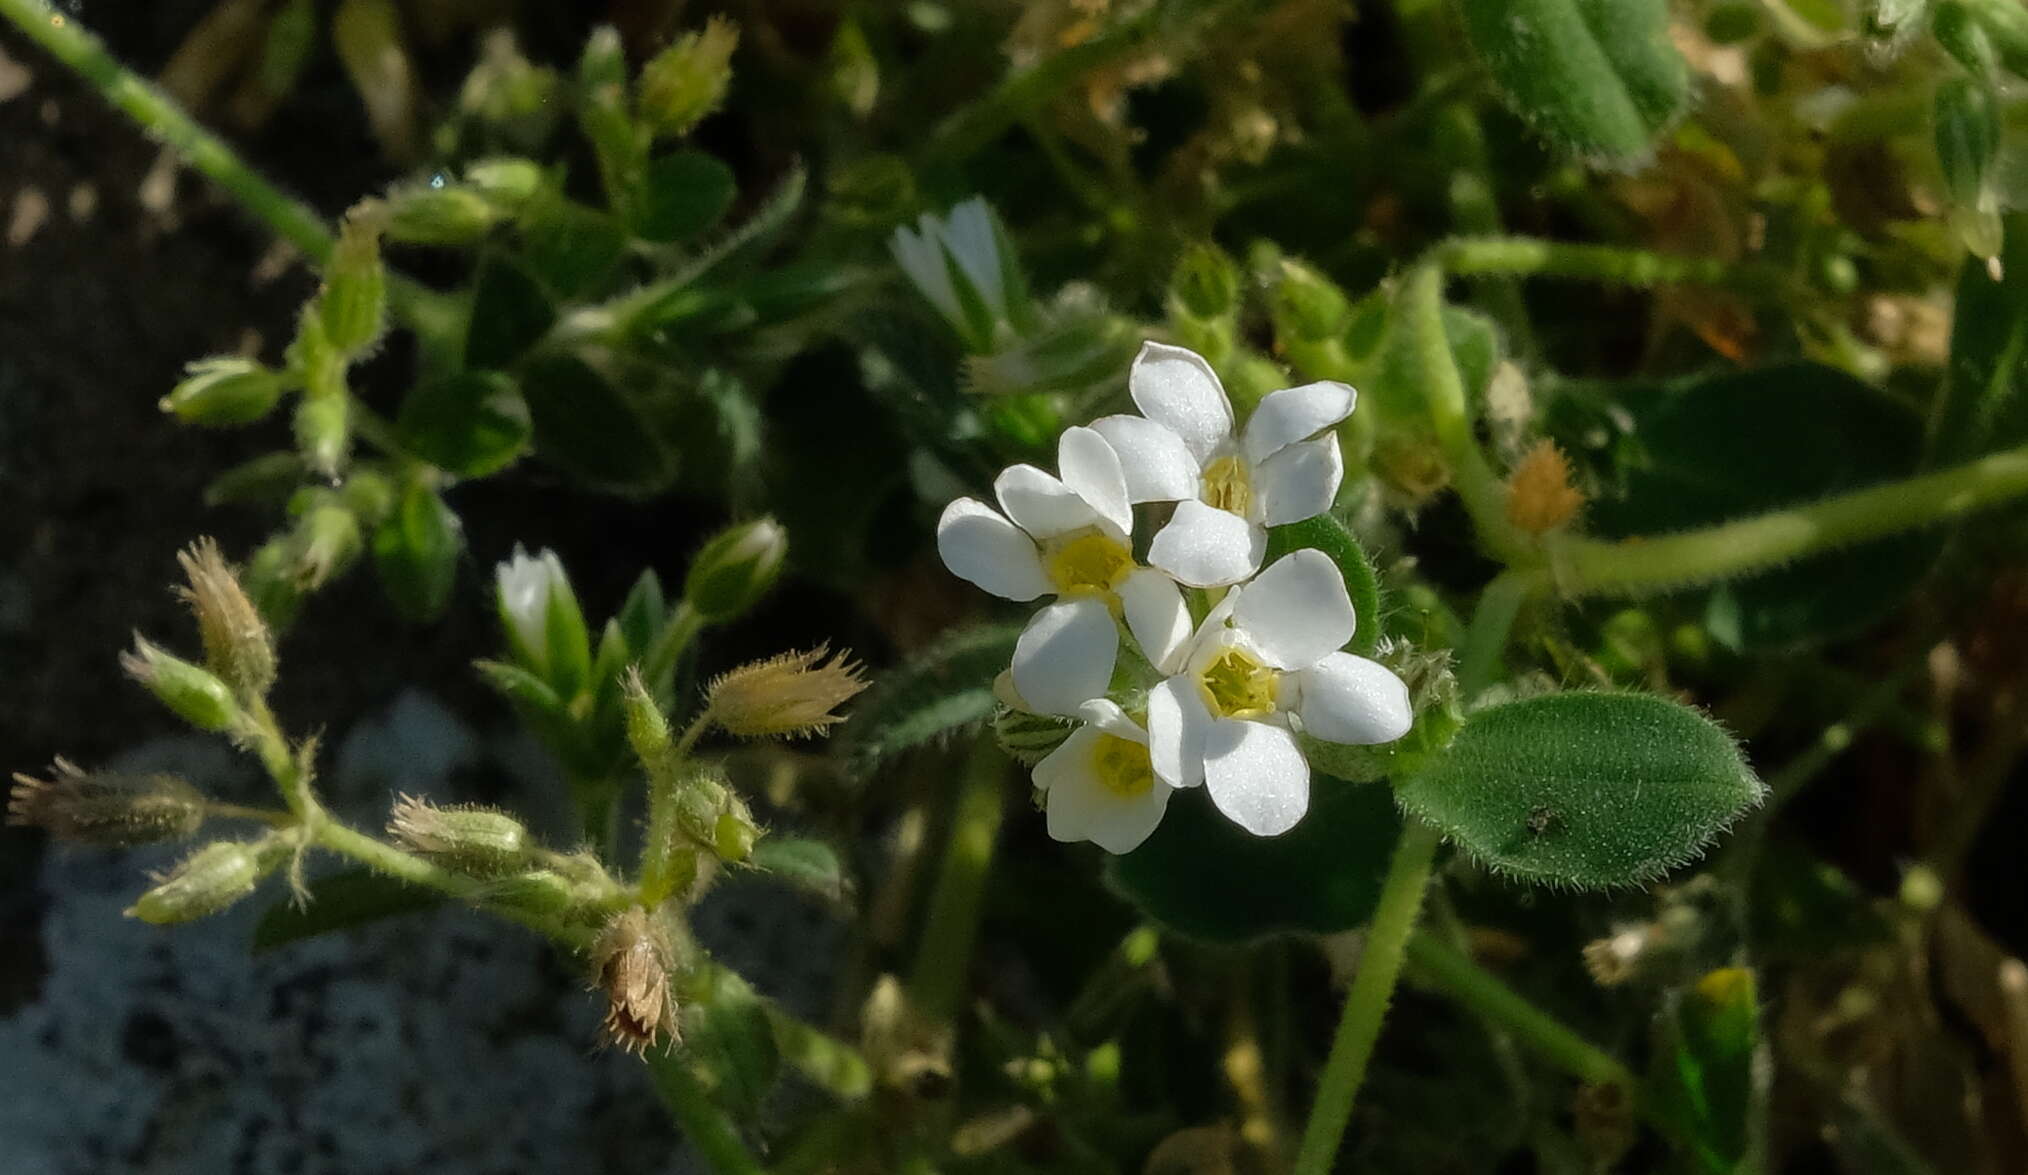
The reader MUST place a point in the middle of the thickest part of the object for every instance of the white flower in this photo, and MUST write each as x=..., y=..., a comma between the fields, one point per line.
x=1069, y=538
x=1228, y=488
x=1100, y=785
x=1264, y=664
x=526, y=589
x=964, y=240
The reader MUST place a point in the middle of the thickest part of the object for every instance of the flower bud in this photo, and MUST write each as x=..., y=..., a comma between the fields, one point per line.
x=476, y=841
x=325, y=542
x=1540, y=497
x=1205, y=283
x=544, y=626
x=735, y=569
x=237, y=644
x=271, y=583
x=453, y=214
x=686, y=81
x=506, y=181
x=114, y=811
x=631, y=962
x=193, y=692
x=353, y=303
x=1308, y=306
x=324, y=430
x=734, y=833
x=647, y=727
x=208, y=881
x=789, y=696
x=225, y=390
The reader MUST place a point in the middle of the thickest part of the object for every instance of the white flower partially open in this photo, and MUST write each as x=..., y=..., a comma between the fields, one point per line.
x=1228, y=488
x=1265, y=663
x=1100, y=785
x=1067, y=537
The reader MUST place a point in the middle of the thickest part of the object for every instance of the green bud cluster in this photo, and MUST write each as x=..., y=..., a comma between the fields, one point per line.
x=686, y=81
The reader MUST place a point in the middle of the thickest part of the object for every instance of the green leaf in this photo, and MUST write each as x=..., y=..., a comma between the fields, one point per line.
x=586, y=427
x=682, y=195
x=946, y=689
x=809, y=865
x=1203, y=876
x=569, y=247
x=643, y=612
x=1803, y=430
x=728, y=1037
x=510, y=312
x=471, y=424
x=416, y=550
x=1327, y=534
x=353, y=897
x=1588, y=790
x=1600, y=78
x=1983, y=408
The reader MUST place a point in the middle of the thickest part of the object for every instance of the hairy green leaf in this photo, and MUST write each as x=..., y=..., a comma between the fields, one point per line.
x=1600, y=78
x=587, y=427
x=1983, y=406
x=510, y=311
x=946, y=689
x=809, y=865
x=682, y=194
x=341, y=901
x=1588, y=790
x=471, y=424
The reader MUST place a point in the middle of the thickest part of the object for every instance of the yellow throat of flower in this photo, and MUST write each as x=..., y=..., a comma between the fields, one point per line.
x=1088, y=562
x=1236, y=684
x=1122, y=766
x=1228, y=485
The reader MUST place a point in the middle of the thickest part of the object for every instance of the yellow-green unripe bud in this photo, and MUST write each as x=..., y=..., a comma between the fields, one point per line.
x=192, y=691
x=353, y=306
x=326, y=541
x=686, y=81
x=478, y=842
x=1308, y=306
x=324, y=431
x=735, y=569
x=225, y=391
x=699, y=798
x=506, y=180
x=208, y=881
x=734, y=833
x=451, y=215
x=1205, y=283
x=647, y=726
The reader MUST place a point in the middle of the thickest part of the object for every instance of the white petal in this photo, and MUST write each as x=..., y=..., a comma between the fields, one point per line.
x=1297, y=611
x=1157, y=616
x=1081, y=807
x=1177, y=724
x=1158, y=465
x=922, y=259
x=1040, y=504
x=1064, y=657
x=1256, y=775
x=1204, y=546
x=980, y=546
x=1106, y=715
x=1176, y=388
x=968, y=233
x=1301, y=481
x=1091, y=470
x=1292, y=414
x=1070, y=759
x=1348, y=699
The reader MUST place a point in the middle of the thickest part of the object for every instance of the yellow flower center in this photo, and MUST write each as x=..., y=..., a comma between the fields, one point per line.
x=1122, y=766
x=1237, y=684
x=1228, y=485
x=1087, y=562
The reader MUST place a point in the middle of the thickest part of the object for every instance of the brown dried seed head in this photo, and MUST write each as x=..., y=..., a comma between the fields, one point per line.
x=237, y=644
x=1540, y=497
x=109, y=810
x=632, y=959
x=789, y=696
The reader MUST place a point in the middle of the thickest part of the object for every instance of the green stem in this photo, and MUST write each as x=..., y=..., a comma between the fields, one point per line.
x=1499, y=604
x=659, y=849
x=384, y=858
x=1584, y=567
x=937, y=980
x=1477, y=989
x=1366, y=1004
x=707, y=1128
x=659, y=663
x=1484, y=495
x=1611, y=264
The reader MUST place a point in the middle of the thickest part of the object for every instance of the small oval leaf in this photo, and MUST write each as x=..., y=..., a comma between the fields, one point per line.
x=683, y=194
x=416, y=552
x=1203, y=876
x=586, y=427
x=471, y=424
x=1588, y=790
x=510, y=311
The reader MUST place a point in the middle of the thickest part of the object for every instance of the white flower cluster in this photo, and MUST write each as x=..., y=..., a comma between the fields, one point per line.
x=1235, y=688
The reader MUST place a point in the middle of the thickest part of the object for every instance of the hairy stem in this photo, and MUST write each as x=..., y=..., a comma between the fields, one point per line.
x=1485, y=256
x=1586, y=567
x=1366, y=1004
x=1477, y=989
x=937, y=980
x=1484, y=495
x=710, y=1132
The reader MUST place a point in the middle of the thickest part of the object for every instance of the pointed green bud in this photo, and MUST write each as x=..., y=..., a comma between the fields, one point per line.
x=193, y=692
x=1307, y=306
x=325, y=542
x=224, y=391
x=237, y=644
x=506, y=181
x=449, y=215
x=313, y=360
x=1205, y=283
x=734, y=833
x=647, y=726
x=209, y=880
x=113, y=811
x=686, y=81
x=735, y=569
x=353, y=304
x=475, y=841
x=324, y=431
